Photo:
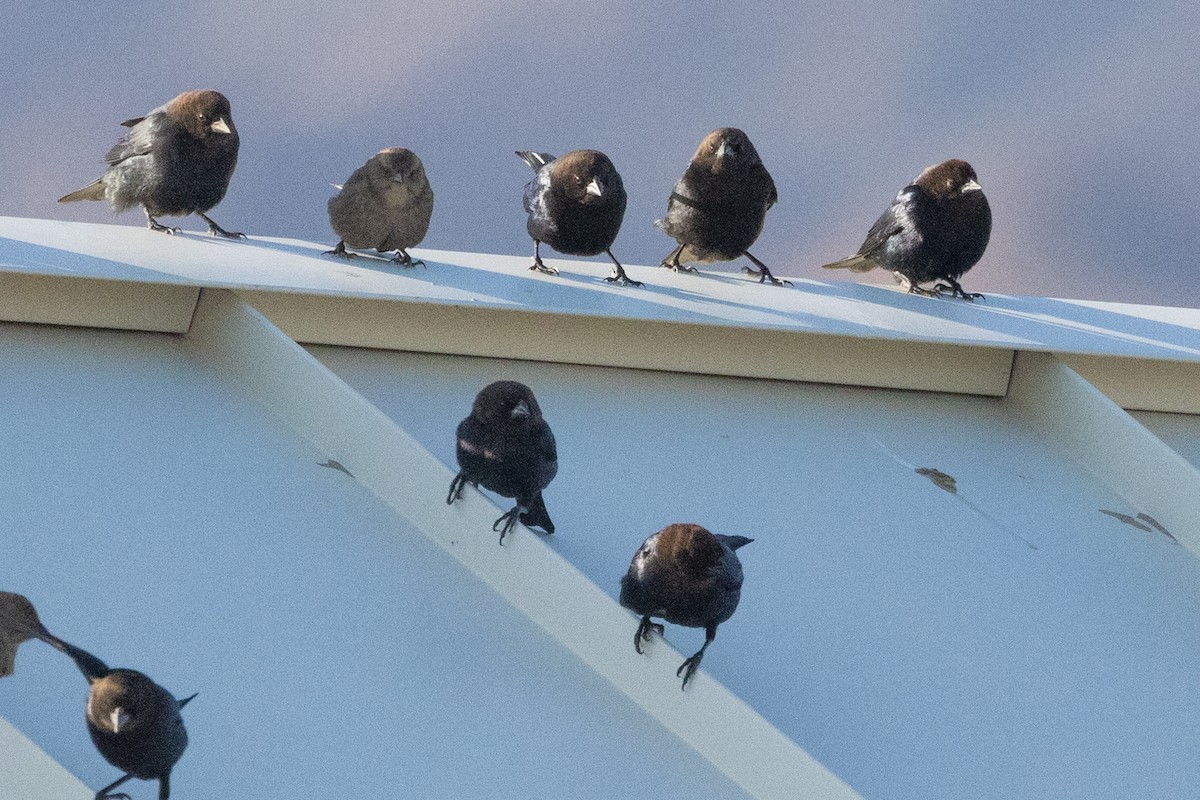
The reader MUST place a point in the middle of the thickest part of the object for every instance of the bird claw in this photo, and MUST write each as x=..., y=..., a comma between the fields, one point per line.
x=765, y=275
x=645, y=628
x=118, y=796
x=509, y=519
x=677, y=267
x=955, y=290
x=456, y=488
x=688, y=668
x=217, y=230
x=540, y=266
x=167, y=229
x=623, y=279
x=340, y=251
x=405, y=260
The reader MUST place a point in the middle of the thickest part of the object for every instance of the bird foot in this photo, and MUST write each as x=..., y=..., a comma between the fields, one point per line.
x=405, y=260
x=677, y=267
x=155, y=225
x=456, y=488
x=764, y=275
x=540, y=266
x=643, y=633
x=955, y=290
x=914, y=289
x=340, y=251
x=216, y=230
x=620, y=277
x=118, y=796
x=510, y=521
x=688, y=668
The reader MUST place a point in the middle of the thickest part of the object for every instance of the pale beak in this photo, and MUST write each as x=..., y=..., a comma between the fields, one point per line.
x=971, y=186
x=118, y=719
x=595, y=187
x=398, y=177
x=521, y=409
x=220, y=126
x=725, y=151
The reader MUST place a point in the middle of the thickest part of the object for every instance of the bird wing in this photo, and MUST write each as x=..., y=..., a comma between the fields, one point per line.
x=140, y=139
x=773, y=197
x=534, y=200
x=535, y=160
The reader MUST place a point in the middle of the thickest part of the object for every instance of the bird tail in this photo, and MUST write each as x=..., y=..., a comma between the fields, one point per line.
x=854, y=263
x=536, y=515
x=91, y=667
x=734, y=542
x=186, y=700
x=93, y=191
x=535, y=160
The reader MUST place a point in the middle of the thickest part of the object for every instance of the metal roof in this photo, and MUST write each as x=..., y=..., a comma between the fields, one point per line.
x=174, y=506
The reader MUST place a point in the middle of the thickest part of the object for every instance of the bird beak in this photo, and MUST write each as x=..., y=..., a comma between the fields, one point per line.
x=521, y=409
x=595, y=187
x=337, y=186
x=398, y=178
x=725, y=151
x=118, y=719
x=220, y=126
x=971, y=186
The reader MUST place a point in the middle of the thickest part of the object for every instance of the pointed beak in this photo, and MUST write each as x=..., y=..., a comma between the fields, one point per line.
x=595, y=187
x=220, y=126
x=118, y=719
x=971, y=186
x=725, y=151
x=521, y=409
x=398, y=177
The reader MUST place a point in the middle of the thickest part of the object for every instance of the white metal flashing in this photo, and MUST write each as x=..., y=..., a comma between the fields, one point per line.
x=29, y=774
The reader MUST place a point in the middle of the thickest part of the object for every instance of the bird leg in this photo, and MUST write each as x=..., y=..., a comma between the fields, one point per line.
x=456, y=488
x=619, y=275
x=103, y=794
x=509, y=518
x=672, y=261
x=762, y=272
x=911, y=287
x=155, y=225
x=537, y=262
x=956, y=290
x=216, y=230
x=688, y=667
x=643, y=633
x=405, y=260
x=340, y=251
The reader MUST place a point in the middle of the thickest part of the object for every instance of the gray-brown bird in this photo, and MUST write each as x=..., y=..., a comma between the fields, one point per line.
x=936, y=229
x=176, y=160
x=575, y=204
x=687, y=576
x=506, y=446
x=18, y=623
x=718, y=207
x=386, y=205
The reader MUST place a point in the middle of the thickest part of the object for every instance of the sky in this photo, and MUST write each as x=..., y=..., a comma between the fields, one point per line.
x=1080, y=118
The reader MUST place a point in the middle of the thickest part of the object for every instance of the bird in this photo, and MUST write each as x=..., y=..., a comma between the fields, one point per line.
x=134, y=723
x=687, y=576
x=18, y=623
x=717, y=208
x=386, y=204
x=176, y=160
x=936, y=229
x=506, y=446
x=575, y=204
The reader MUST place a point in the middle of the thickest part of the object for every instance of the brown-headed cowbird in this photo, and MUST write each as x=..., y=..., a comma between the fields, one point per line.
x=176, y=160
x=576, y=205
x=687, y=576
x=134, y=722
x=935, y=229
x=505, y=445
x=386, y=205
x=718, y=207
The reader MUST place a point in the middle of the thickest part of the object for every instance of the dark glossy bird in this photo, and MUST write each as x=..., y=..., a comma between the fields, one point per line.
x=935, y=230
x=718, y=207
x=176, y=160
x=506, y=446
x=134, y=722
x=386, y=205
x=575, y=204
x=687, y=576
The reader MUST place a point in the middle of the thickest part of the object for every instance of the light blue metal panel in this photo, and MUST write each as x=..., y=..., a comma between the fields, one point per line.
x=1180, y=432
x=1008, y=640
x=157, y=516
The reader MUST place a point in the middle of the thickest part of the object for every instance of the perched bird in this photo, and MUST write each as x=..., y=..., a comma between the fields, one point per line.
x=386, y=205
x=134, y=722
x=18, y=623
x=576, y=205
x=718, y=207
x=176, y=160
x=506, y=446
x=687, y=576
x=935, y=229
